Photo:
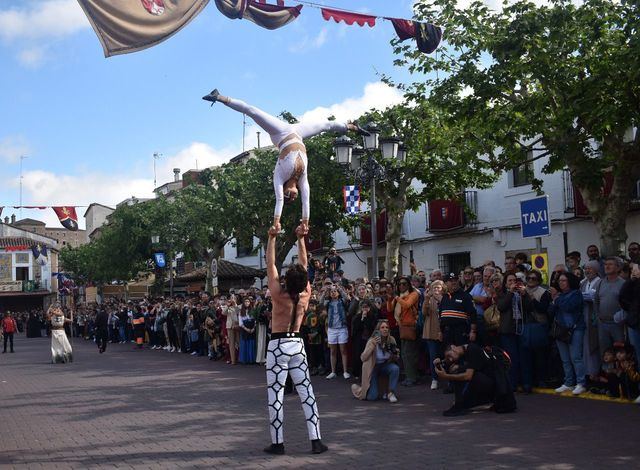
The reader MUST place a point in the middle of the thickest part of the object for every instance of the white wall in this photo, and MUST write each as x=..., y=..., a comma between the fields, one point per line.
x=498, y=212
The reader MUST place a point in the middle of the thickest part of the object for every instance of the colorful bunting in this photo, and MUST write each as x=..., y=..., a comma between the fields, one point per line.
x=348, y=17
x=67, y=216
x=39, y=252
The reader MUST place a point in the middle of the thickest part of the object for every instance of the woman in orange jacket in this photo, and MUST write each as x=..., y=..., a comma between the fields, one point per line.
x=404, y=305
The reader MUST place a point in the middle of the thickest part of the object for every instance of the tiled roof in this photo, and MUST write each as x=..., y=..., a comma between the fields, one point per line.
x=226, y=270
x=8, y=242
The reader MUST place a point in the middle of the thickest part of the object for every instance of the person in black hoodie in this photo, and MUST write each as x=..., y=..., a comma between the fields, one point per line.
x=102, y=330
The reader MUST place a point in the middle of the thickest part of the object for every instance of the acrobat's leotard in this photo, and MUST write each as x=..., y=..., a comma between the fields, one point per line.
x=292, y=163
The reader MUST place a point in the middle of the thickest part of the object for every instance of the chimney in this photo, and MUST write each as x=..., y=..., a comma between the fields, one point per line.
x=13, y=219
x=176, y=174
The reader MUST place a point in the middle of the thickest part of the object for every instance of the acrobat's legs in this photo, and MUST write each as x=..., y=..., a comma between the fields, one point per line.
x=271, y=124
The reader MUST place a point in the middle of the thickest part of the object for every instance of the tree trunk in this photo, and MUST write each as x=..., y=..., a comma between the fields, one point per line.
x=395, y=217
x=610, y=212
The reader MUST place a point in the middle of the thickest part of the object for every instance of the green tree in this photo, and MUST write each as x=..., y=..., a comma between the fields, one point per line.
x=560, y=80
x=248, y=189
x=441, y=163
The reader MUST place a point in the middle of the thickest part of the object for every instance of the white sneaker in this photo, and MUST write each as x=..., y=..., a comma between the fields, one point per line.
x=194, y=353
x=579, y=389
x=346, y=375
x=563, y=388
x=434, y=384
x=392, y=398
x=384, y=396
x=172, y=350
x=332, y=375
x=637, y=400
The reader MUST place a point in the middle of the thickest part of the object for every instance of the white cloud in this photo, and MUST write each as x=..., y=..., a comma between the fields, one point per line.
x=42, y=19
x=32, y=57
x=50, y=188
x=376, y=95
x=12, y=147
x=308, y=43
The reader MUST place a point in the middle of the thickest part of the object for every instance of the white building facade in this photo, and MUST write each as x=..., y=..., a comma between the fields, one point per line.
x=493, y=234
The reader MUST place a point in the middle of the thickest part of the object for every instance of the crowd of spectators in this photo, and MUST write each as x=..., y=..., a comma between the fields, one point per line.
x=576, y=332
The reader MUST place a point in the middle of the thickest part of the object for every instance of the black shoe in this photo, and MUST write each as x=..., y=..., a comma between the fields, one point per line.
x=360, y=130
x=455, y=411
x=275, y=449
x=12, y=351
x=447, y=390
x=317, y=447
x=213, y=96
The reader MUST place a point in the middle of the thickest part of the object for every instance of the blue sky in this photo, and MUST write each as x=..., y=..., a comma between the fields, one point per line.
x=90, y=125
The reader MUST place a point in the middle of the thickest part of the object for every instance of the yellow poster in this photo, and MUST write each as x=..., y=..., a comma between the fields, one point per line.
x=540, y=262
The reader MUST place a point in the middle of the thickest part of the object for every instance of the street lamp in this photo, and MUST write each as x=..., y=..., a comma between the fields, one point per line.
x=357, y=157
x=389, y=147
x=366, y=172
x=371, y=140
x=343, y=147
x=402, y=152
x=155, y=239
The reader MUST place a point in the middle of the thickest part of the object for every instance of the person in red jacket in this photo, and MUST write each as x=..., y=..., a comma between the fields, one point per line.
x=9, y=327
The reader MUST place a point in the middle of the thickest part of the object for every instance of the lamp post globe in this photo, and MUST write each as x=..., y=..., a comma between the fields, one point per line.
x=357, y=157
x=371, y=140
x=343, y=148
x=402, y=152
x=389, y=147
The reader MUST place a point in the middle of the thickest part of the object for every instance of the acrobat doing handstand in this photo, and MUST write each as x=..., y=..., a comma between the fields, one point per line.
x=290, y=174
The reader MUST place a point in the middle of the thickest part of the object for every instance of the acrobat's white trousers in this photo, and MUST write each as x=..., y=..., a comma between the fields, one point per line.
x=287, y=355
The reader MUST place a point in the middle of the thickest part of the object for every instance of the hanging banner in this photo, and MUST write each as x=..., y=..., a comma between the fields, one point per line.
x=348, y=17
x=67, y=216
x=263, y=14
x=351, y=196
x=125, y=26
x=39, y=252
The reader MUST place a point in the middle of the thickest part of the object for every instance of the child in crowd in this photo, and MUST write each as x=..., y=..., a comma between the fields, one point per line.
x=313, y=329
x=618, y=374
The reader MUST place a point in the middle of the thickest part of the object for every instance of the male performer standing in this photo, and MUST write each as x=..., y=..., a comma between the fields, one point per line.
x=285, y=352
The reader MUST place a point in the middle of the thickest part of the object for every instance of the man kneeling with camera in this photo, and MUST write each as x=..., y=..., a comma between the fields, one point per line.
x=472, y=373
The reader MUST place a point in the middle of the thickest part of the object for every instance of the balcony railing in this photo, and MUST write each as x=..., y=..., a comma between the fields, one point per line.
x=445, y=215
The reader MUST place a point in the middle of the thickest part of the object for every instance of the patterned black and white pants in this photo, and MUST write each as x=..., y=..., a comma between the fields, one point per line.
x=287, y=355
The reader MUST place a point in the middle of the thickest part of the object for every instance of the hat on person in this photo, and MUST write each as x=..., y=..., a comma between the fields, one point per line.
x=451, y=277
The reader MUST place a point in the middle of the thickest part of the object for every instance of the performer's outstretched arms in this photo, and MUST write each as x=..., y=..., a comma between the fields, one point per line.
x=273, y=277
x=301, y=232
x=303, y=186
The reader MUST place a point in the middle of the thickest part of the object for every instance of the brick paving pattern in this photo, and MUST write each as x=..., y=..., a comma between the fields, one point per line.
x=151, y=409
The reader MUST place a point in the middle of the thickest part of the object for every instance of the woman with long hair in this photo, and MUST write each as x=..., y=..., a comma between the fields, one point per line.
x=378, y=359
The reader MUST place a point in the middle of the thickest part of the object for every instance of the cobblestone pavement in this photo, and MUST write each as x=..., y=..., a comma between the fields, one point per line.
x=152, y=409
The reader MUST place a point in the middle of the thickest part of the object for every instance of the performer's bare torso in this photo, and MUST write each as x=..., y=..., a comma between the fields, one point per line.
x=281, y=310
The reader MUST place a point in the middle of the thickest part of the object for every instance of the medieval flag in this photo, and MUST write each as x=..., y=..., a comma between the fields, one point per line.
x=125, y=26
x=39, y=252
x=427, y=35
x=67, y=216
x=351, y=199
x=260, y=12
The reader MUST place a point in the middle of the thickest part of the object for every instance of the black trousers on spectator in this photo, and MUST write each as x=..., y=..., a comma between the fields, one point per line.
x=480, y=390
x=316, y=355
x=8, y=337
x=455, y=333
x=102, y=338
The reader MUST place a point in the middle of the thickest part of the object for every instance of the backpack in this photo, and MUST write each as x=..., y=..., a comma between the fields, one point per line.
x=492, y=318
x=8, y=325
x=504, y=400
